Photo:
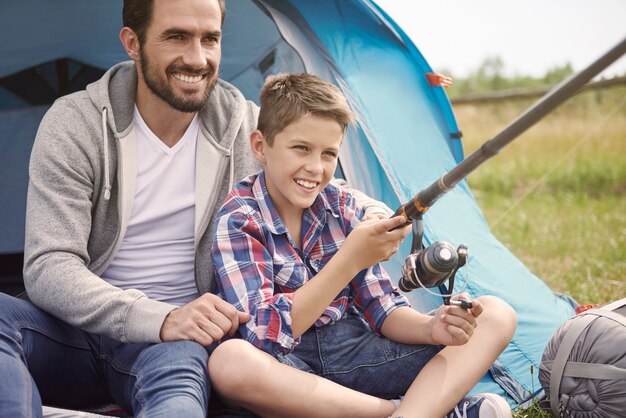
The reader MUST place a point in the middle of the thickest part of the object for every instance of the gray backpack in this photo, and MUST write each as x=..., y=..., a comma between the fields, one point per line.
x=583, y=367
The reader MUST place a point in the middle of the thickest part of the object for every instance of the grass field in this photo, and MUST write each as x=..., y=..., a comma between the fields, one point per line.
x=556, y=196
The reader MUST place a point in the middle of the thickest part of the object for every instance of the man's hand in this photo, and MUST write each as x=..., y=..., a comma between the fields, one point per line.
x=204, y=320
x=375, y=214
x=453, y=325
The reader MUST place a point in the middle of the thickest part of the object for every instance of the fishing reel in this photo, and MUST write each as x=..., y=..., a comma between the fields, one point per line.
x=432, y=266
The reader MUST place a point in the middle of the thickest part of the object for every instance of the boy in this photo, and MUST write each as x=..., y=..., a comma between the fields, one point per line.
x=290, y=249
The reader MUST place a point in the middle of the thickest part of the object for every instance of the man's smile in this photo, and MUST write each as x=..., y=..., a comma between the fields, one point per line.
x=188, y=78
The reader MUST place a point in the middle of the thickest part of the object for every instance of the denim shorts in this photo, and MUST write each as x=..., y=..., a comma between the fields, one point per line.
x=349, y=353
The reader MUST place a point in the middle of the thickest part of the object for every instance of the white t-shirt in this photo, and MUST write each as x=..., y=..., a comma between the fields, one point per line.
x=157, y=252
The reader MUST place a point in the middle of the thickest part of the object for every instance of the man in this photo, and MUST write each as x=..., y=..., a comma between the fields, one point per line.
x=124, y=181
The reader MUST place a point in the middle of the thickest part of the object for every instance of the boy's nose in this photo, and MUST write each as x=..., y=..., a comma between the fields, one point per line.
x=314, y=165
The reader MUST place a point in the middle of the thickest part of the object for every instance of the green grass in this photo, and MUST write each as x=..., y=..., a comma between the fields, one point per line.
x=556, y=196
x=533, y=412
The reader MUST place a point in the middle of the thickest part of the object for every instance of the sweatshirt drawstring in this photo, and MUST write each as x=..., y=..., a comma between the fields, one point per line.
x=232, y=171
x=107, y=182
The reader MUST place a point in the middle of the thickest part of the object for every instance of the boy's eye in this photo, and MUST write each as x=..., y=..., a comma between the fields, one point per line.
x=331, y=154
x=301, y=147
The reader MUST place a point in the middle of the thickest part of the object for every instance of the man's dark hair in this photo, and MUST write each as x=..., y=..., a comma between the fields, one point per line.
x=137, y=15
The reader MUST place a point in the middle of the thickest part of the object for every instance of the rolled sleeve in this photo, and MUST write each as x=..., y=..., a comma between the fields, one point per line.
x=376, y=296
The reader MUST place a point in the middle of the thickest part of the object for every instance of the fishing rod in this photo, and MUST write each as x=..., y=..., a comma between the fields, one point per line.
x=438, y=263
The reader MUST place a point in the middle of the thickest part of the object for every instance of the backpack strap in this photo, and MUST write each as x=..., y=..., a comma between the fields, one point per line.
x=609, y=307
x=594, y=371
x=560, y=360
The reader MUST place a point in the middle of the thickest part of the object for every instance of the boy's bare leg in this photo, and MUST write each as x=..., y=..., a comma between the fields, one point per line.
x=252, y=379
x=453, y=372
x=255, y=380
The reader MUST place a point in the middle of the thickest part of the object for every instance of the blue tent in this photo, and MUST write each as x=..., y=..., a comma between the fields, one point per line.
x=406, y=136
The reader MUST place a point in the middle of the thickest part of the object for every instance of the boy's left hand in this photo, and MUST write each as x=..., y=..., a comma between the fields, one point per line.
x=453, y=325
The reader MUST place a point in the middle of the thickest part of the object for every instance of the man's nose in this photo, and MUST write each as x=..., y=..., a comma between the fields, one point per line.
x=195, y=55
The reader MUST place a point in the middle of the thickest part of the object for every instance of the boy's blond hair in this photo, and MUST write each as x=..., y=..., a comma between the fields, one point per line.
x=287, y=97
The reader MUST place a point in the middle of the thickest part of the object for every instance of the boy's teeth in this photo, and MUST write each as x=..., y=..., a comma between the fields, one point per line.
x=307, y=184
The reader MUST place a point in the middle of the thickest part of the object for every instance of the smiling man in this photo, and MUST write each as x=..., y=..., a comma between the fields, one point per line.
x=125, y=178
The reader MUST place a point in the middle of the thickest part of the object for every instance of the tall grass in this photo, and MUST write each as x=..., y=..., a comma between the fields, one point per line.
x=556, y=196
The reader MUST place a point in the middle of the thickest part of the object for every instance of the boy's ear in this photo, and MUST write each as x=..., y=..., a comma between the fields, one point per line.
x=257, y=145
x=130, y=42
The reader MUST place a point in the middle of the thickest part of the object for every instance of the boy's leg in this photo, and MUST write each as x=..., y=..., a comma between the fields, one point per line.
x=257, y=381
x=250, y=378
x=43, y=358
x=158, y=380
x=455, y=370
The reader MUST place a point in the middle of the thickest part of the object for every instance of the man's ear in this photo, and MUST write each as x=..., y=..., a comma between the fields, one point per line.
x=257, y=145
x=130, y=42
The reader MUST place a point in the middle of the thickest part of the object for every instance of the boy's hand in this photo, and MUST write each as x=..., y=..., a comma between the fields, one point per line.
x=373, y=241
x=453, y=325
x=204, y=320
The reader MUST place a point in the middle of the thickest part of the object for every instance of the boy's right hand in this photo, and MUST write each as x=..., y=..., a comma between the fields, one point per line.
x=374, y=241
x=204, y=320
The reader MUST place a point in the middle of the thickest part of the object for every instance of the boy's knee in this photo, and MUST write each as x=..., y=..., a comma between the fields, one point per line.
x=230, y=365
x=498, y=315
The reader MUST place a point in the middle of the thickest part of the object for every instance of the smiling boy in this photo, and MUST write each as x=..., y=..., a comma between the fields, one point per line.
x=291, y=250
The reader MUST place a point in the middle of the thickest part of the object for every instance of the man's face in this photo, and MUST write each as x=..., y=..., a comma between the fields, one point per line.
x=180, y=56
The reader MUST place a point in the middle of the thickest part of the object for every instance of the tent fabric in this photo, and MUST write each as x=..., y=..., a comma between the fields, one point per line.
x=17, y=133
x=406, y=136
x=403, y=144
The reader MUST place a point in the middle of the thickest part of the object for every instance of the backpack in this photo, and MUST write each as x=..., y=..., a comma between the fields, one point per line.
x=583, y=367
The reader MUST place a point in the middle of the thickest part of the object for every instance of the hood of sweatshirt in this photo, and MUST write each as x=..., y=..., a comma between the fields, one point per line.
x=221, y=116
x=114, y=97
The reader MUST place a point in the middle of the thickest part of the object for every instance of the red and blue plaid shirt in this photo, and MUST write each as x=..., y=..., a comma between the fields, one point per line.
x=258, y=266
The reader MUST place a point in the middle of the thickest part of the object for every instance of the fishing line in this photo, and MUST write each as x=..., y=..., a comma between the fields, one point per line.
x=567, y=155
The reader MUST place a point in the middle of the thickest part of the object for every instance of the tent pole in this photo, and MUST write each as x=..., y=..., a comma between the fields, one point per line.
x=560, y=93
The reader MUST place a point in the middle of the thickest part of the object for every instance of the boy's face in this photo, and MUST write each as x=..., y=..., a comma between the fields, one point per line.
x=300, y=162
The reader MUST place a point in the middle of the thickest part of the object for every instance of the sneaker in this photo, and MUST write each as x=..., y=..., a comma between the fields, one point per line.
x=484, y=405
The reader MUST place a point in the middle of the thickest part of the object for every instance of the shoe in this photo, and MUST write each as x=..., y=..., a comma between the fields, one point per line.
x=483, y=405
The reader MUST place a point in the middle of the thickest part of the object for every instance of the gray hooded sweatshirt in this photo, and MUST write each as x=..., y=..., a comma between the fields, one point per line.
x=80, y=196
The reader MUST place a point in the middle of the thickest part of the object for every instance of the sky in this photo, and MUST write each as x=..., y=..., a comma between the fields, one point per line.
x=530, y=36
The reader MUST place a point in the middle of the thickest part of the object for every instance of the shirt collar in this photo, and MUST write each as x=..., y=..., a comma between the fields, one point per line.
x=316, y=213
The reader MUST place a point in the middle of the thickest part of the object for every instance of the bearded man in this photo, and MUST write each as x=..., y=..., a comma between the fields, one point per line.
x=125, y=178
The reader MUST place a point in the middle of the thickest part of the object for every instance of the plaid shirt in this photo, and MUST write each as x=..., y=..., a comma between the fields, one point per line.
x=258, y=267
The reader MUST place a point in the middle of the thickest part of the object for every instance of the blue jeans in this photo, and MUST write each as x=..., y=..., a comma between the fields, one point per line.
x=349, y=353
x=43, y=359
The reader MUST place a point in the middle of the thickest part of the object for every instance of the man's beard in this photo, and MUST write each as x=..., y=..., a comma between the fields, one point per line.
x=161, y=88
